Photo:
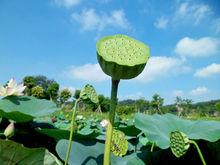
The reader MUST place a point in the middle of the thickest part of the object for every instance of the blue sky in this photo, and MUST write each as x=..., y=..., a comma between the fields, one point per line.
x=57, y=38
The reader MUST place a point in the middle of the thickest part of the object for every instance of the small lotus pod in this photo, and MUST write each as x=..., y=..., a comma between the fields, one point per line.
x=179, y=143
x=122, y=57
x=10, y=130
x=89, y=93
x=119, y=145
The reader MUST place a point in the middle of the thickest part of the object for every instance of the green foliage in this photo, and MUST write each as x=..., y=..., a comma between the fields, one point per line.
x=77, y=93
x=217, y=105
x=37, y=92
x=104, y=103
x=142, y=105
x=25, y=108
x=53, y=91
x=50, y=87
x=125, y=110
x=91, y=152
x=65, y=95
x=15, y=153
x=157, y=103
x=157, y=128
x=29, y=82
x=183, y=106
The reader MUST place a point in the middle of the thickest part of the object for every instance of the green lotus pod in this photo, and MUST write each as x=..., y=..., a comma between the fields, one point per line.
x=119, y=145
x=122, y=57
x=89, y=93
x=179, y=143
x=10, y=130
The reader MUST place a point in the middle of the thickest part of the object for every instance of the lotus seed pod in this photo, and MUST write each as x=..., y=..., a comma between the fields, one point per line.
x=179, y=143
x=122, y=57
x=89, y=93
x=119, y=145
x=9, y=131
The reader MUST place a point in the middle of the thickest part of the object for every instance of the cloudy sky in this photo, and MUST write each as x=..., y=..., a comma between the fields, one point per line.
x=57, y=38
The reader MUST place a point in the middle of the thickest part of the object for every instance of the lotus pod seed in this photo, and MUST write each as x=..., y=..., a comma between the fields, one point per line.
x=119, y=145
x=122, y=57
x=179, y=143
x=89, y=93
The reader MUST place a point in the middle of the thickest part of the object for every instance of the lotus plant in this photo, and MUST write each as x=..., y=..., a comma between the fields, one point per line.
x=179, y=144
x=120, y=57
x=10, y=129
x=88, y=93
x=12, y=88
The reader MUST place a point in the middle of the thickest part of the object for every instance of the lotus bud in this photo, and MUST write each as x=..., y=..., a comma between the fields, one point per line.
x=9, y=131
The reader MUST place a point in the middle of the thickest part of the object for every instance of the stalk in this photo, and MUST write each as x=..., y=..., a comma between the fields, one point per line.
x=199, y=151
x=113, y=104
x=152, y=147
x=71, y=132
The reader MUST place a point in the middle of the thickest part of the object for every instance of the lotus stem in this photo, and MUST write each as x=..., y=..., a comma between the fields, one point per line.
x=108, y=140
x=199, y=151
x=71, y=132
x=152, y=147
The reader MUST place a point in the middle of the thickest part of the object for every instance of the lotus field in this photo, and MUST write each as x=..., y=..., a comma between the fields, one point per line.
x=36, y=132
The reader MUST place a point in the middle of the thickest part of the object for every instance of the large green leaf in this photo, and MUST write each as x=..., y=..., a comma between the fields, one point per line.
x=25, y=108
x=64, y=134
x=157, y=128
x=15, y=153
x=91, y=153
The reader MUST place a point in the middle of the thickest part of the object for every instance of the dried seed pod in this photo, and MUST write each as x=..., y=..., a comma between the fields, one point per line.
x=179, y=143
x=119, y=145
x=122, y=57
x=89, y=93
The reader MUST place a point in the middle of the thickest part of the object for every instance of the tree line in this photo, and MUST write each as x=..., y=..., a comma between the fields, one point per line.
x=44, y=88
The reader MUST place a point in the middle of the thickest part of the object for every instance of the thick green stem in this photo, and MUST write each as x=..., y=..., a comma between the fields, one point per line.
x=111, y=122
x=199, y=151
x=71, y=132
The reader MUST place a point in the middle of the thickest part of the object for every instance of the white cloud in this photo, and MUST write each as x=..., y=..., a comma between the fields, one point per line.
x=91, y=20
x=199, y=91
x=161, y=66
x=161, y=23
x=156, y=67
x=193, y=12
x=208, y=71
x=67, y=3
x=177, y=93
x=197, y=47
x=87, y=72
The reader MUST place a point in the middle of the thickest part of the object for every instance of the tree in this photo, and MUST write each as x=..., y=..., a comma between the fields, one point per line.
x=50, y=87
x=104, y=103
x=53, y=91
x=77, y=93
x=217, y=105
x=65, y=95
x=183, y=105
x=156, y=103
x=141, y=105
x=29, y=82
x=38, y=92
